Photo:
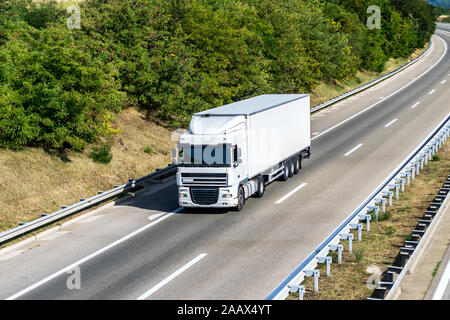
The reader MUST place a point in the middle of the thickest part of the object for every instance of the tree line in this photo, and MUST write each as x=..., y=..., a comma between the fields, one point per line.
x=60, y=88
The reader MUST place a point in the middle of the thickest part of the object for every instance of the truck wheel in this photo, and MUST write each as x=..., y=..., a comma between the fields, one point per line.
x=291, y=167
x=261, y=187
x=241, y=199
x=285, y=175
x=298, y=165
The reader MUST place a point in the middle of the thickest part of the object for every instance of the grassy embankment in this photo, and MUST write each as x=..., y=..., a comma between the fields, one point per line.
x=380, y=246
x=33, y=182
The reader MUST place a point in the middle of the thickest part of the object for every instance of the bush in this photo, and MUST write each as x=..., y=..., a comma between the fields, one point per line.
x=101, y=154
x=148, y=150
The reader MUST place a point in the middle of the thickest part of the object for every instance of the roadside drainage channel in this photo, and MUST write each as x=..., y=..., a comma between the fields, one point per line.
x=362, y=216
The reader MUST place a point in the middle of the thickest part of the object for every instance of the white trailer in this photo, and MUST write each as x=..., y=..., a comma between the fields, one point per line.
x=231, y=152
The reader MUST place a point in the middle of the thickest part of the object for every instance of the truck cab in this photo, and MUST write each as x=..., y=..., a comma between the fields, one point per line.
x=211, y=162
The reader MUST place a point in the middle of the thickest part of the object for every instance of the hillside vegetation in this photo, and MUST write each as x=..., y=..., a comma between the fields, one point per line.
x=60, y=89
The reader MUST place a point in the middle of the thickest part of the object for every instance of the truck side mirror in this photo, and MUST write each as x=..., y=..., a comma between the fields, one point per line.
x=175, y=155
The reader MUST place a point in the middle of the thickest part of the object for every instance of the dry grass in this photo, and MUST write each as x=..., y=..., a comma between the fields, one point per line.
x=326, y=91
x=33, y=182
x=381, y=245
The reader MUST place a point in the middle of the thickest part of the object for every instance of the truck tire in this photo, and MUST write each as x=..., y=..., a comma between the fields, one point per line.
x=298, y=165
x=241, y=199
x=285, y=174
x=261, y=185
x=291, y=167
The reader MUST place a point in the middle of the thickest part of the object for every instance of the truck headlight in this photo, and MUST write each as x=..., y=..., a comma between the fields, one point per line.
x=228, y=196
x=183, y=195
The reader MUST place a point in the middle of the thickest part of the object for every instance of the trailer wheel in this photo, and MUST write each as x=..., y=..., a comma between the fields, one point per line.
x=241, y=199
x=298, y=165
x=285, y=175
x=261, y=187
x=291, y=167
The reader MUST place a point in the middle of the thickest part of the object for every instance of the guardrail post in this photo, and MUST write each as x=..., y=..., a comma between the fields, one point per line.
x=339, y=248
x=299, y=289
x=316, y=275
x=425, y=158
x=367, y=218
x=381, y=201
x=408, y=178
x=132, y=182
x=375, y=210
x=388, y=194
x=358, y=226
x=402, y=182
x=328, y=261
x=349, y=237
x=417, y=162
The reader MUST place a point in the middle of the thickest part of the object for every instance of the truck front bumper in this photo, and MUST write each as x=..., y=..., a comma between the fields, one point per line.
x=222, y=201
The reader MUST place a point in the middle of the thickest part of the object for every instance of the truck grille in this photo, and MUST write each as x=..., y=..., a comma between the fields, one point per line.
x=204, y=179
x=204, y=196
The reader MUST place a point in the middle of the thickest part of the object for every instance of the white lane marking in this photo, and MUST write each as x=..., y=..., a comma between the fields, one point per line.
x=54, y=235
x=390, y=123
x=432, y=91
x=291, y=193
x=91, y=219
x=155, y=216
x=315, y=133
x=392, y=94
x=92, y=255
x=443, y=81
x=353, y=150
x=442, y=284
x=415, y=105
x=172, y=276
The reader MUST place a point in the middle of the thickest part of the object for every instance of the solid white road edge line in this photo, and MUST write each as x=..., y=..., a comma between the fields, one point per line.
x=353, y=150
x=432, y=91
x=92, y=255
x=442, y=284
x=443, y=81
x=291, y=193
x=390, y=123
x=172, y=276
x=392, y=94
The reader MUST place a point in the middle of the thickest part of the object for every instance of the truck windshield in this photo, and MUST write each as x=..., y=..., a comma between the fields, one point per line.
x=205, y=155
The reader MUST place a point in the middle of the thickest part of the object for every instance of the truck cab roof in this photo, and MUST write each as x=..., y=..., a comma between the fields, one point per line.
x=251, y=106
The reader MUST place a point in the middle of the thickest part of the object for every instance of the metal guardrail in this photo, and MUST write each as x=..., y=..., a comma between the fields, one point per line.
x=370, y=84
x=377, y=201
x=419, y=244
x=47, y=219
x=65, y=212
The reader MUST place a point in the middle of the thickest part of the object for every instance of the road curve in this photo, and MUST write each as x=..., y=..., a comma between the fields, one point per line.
x=143, y=249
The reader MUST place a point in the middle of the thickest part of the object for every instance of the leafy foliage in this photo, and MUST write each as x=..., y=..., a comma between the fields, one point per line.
x=59, y=88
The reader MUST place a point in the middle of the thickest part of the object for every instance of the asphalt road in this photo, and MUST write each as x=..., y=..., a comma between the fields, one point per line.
x=142, y=249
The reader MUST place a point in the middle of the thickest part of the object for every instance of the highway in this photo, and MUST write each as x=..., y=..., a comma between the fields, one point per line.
x=148, y=248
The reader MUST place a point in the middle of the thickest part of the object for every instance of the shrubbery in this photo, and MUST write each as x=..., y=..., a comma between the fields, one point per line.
x=58, y=88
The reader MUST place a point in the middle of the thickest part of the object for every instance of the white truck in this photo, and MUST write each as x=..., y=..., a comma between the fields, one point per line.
x=232, y=152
